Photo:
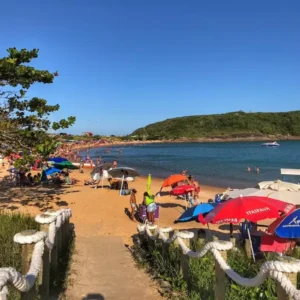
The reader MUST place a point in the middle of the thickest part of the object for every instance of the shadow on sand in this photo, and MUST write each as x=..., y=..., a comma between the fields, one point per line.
x=93, y=297
x=41, y=196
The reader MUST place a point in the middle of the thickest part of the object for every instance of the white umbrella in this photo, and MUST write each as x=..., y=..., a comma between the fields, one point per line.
x=279, y=185
x=286, y=196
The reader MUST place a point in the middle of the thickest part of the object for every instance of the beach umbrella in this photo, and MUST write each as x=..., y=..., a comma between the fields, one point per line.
x=149, y=180
x=173, y=179
x=182, y=189
x=105, y=166
x=251, y=208
x=287, y=196
x=123, y=172
x=279, y=185
x=57, y=160
x=51, y=171
x=65, y=165
x=192, y=213
x=287, y=226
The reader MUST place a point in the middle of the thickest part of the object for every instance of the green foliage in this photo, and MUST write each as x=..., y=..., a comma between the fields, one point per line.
x=244, y=266
x=21, y=163
x=201, y=275
x=10, y=252
x=24, y=122
x=201, y=282
x=162, y=267
x=232, y=125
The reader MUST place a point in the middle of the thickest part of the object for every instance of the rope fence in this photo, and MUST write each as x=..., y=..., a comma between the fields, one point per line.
x=283, y=271
x=41, y=251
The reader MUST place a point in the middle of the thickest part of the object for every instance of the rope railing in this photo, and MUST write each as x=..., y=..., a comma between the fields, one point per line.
x=279, y=270
x=35, y=254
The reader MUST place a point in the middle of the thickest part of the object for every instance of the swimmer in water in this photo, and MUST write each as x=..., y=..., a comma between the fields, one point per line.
x=248, y=169
x=257, y=170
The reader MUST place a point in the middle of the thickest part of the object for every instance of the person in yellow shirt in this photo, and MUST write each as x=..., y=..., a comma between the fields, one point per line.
x=150, y=206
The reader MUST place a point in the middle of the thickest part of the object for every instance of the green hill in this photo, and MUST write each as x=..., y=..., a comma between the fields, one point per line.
x=231, y=125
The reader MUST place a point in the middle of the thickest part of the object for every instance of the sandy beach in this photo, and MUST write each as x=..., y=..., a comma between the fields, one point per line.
x=98, y=211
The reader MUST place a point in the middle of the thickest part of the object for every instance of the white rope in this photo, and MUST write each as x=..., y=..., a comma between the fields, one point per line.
x=45, y=219
x=166, y=229
x=51, y=236
x=24, y=283
x=275, y=269
x=22, y=238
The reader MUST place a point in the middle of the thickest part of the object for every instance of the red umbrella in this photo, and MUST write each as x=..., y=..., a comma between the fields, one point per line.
x=182, y=189
x=251, y=208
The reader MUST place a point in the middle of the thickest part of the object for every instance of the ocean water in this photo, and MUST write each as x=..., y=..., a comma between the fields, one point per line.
x=217, y=164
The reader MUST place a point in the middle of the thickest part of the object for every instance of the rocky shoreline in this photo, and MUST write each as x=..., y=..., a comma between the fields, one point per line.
x=187, y=140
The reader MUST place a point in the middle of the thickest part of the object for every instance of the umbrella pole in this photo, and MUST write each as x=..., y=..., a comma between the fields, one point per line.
x=210, y=235
x=122, y=185
x=250, y=241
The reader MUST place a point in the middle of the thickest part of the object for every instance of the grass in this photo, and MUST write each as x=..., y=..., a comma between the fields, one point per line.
x=10, y=253
x=201, y=281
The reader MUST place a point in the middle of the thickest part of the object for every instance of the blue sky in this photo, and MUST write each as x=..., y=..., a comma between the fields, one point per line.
x=126, y=63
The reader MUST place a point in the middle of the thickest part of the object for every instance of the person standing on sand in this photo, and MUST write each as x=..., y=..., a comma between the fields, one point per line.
x=196, y=184
x=133, y=204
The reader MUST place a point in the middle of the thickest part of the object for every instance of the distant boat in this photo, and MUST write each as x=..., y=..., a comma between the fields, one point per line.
x=274, y=144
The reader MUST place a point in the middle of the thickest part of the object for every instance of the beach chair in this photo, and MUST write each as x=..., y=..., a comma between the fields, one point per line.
x=270, y=243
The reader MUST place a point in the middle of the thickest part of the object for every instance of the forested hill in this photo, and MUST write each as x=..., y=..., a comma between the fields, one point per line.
x=231, y=125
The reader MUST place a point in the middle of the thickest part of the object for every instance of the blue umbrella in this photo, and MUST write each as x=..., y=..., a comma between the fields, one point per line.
x=57, y=160
x=192, y=213
x=51, y=171
x=289, y=227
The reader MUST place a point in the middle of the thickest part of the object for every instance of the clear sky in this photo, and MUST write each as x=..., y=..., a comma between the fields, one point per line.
x=126, y=63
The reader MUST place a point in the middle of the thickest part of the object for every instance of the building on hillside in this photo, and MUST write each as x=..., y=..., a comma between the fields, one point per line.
x=88, y=133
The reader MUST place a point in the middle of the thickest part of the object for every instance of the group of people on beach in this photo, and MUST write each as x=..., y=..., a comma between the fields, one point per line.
x=148, y=202
x=149, y=199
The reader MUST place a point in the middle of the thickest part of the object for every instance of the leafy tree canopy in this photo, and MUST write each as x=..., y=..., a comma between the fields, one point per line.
x=24, y=121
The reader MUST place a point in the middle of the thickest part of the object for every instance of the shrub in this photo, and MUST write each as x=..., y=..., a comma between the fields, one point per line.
x=10, y=252
x=244, y=266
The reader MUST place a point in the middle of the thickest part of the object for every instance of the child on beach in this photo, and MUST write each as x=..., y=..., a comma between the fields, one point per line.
x=133, y=204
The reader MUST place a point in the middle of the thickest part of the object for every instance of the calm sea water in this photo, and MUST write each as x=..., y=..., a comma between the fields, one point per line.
x=218, y=164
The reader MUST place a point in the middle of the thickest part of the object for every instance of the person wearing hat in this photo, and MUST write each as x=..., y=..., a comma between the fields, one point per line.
x=133, y=204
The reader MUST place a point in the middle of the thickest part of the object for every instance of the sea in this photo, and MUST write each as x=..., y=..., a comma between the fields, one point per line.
x=216, y=164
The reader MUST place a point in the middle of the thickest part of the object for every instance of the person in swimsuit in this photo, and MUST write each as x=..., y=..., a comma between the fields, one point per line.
x=133, y=204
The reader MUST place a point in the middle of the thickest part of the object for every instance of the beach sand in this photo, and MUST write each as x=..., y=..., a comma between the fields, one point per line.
x=98, y=211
